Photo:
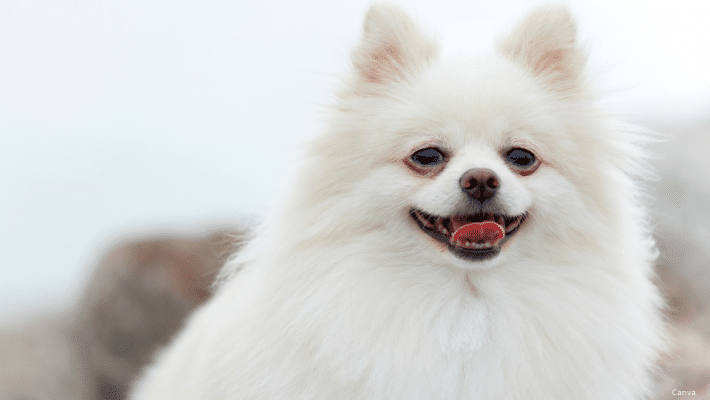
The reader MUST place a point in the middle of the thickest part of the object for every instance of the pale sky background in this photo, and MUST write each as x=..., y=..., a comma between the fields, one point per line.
x=132, y=117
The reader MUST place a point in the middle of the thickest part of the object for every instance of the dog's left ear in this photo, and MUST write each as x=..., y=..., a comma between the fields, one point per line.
x=545, y=43
x=391, y=48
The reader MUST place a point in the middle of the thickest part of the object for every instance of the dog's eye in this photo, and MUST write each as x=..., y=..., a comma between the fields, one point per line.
x=521, y=158
x=428, y=157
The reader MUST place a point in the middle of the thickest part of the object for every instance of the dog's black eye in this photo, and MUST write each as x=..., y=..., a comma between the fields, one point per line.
x=428, y=157
x=521, y=158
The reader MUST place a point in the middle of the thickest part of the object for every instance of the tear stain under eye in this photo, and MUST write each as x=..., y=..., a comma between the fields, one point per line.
x=424, y=171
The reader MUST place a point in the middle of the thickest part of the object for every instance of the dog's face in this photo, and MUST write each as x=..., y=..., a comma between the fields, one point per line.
x=467, y=164
x=474, y=201
x=465, y=160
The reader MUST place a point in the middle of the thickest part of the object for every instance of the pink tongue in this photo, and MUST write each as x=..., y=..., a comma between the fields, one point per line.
x=478, y=232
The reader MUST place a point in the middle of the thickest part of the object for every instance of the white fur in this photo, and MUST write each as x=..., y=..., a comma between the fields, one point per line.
x=341, y=296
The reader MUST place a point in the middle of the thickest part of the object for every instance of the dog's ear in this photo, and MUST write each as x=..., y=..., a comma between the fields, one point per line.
x=392, y=47
x=545, y=43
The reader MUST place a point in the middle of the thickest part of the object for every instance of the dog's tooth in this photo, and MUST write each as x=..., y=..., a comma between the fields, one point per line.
x=512, y=225
x=481, y=246
x=440, y=225
x=423, y=220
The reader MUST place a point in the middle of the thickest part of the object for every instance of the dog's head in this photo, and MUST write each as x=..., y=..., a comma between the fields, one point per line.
x=463, y=157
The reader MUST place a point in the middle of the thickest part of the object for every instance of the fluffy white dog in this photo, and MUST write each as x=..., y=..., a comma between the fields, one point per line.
x=462, y=230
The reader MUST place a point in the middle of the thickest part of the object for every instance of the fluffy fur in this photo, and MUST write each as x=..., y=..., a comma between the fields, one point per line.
x=341, y=295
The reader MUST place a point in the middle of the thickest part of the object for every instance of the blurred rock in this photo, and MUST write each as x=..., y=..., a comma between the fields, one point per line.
x=41, y=360
x=137, y=297
x=687, y=367
x=681, y=214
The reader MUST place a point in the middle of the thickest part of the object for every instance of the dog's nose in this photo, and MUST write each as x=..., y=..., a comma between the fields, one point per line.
x=480, y=184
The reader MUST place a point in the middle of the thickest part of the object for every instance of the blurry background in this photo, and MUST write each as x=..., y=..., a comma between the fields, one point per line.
x=134, y=133
x=124, y=118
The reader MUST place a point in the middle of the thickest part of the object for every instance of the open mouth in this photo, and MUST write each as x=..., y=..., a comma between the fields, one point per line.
x=472, y=236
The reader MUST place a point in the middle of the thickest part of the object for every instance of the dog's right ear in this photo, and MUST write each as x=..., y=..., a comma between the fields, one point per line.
x=391, y=49
x=545, y=43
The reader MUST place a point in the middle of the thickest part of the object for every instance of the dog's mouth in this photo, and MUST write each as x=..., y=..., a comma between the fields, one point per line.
x=471, y=236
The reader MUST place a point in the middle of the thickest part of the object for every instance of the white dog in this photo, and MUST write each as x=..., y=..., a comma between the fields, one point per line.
x=463, y=230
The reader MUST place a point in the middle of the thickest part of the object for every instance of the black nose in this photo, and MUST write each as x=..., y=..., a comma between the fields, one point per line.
x=480, y=184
